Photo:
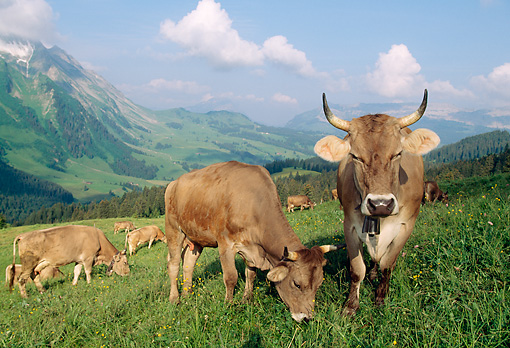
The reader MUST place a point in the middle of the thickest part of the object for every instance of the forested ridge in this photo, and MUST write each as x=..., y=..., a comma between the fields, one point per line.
x=22, y=193
x=470, y=148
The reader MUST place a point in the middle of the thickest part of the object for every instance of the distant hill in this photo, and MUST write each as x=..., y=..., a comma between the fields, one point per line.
x=22, y=193
x=450, y=123
x=469, y=148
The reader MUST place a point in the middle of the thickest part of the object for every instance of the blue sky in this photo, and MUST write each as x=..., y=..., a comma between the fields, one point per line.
x=273, y=59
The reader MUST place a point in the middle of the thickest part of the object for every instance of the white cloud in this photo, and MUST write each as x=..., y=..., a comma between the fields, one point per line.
x=445, y=88
x=163, y=85
x=28, y=19
x=396, y=73
x=278, y=50
x=497, y=83
x=207, y=32
x=282, y=98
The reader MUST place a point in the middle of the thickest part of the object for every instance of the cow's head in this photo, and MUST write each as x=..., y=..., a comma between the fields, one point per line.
x=297, y=278
x=375, y=144
x=119, y=264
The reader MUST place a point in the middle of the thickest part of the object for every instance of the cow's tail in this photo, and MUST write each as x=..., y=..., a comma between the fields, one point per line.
x=13, y=268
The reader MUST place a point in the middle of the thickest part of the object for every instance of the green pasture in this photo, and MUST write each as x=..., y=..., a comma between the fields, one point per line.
x=293, y=171
x=450, y=289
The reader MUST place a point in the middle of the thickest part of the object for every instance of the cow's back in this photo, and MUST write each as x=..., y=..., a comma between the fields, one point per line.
x=59, y=245
x=207, y=202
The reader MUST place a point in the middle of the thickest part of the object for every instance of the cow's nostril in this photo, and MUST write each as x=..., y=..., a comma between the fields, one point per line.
x=380, y=206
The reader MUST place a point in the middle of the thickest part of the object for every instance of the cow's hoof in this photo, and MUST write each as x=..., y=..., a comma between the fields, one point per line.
x=349, y=312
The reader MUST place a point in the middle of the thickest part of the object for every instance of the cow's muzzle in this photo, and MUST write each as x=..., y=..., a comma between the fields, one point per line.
x=379, y=205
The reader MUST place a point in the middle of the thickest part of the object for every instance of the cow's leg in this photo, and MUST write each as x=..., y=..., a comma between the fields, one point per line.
x=357, y=270
x=38, y=284
x=227, y=259
x=88, y=269
x=250, y=273
x=175, y=242
x=22, y=280
x=389, y=260
x=189, y=260
x=77, y=271
x=150, y=242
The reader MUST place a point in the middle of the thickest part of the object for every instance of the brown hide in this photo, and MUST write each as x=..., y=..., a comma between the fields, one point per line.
x=334, y=194
x=235, y=207
x=380, y=176
x=58, y=246
x=123, y=225
x=432, y=193
x=143, y=235
x=46, y=273
x=301, y=201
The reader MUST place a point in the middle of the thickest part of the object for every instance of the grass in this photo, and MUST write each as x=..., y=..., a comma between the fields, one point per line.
x=291, y=170
x=450, y=289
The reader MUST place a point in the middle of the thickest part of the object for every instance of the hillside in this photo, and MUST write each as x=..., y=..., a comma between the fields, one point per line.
x=63, y=123
x=22, y=193
x=471, y=147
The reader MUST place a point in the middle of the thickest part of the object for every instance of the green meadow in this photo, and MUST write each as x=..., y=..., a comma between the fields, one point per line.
x=450, y=288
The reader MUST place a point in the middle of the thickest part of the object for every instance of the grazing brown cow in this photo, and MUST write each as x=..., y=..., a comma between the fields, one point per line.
x=58, y=246
x=334, y=194
x=46, y=273
x=143, y=235
x=235, y=207
x=301, y=201
x=380, y=185
x=123, y=225
x=432, y=193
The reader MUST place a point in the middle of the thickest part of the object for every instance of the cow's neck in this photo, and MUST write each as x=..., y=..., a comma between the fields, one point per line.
x=278, y=235
x=107, y=249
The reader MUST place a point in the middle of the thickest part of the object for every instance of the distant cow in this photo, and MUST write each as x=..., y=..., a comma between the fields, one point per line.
x=143, y=235
x=58, y=246
x=46, y=273
x=334, y=194
x=235, y=207
x=380, y=185
x=301, y=201
x=123, y=225
x=432, y=193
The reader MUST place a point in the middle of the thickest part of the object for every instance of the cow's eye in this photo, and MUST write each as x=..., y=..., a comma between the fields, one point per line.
x=297, y=285
x=397, y=156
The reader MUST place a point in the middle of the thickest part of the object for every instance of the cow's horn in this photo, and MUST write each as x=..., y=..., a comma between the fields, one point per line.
x=327, y=248
x=292, y=256
x=334, y=120
x=415, y=116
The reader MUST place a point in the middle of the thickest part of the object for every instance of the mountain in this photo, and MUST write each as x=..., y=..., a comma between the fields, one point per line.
x=68, y=125
x=450, y=123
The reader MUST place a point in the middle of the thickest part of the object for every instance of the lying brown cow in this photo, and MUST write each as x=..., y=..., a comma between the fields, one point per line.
x=220, y=206
x=47, y=273
x=432, y=193
x=123, y=225
x=301, y=201
x=143, y=235
x=58, y=246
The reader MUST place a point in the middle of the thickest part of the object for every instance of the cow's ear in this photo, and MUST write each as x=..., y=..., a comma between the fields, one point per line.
x=420, y=141
x=332, y=149
x=278, y=273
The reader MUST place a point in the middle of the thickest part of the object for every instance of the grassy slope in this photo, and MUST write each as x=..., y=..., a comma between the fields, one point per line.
x=449, y=289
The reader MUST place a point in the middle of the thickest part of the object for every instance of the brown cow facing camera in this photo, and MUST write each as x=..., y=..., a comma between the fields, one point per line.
x=234, y=207
x=380, y=186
